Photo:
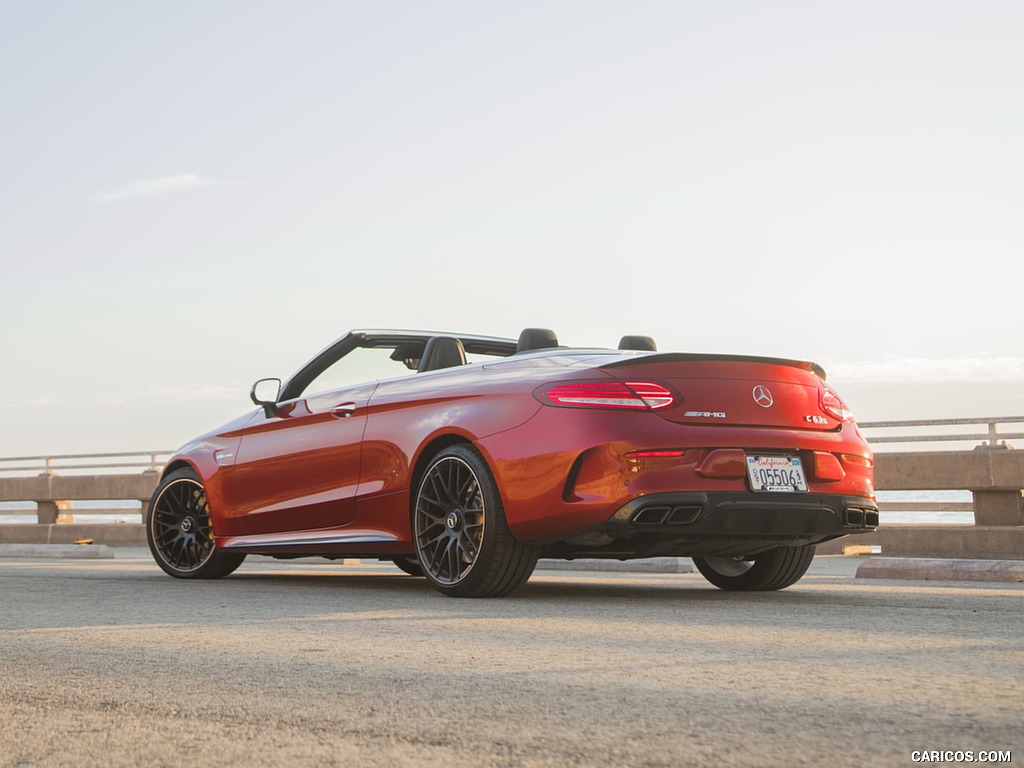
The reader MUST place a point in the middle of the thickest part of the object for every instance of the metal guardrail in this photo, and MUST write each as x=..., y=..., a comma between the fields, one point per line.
x=49, y=465
x=992, y=439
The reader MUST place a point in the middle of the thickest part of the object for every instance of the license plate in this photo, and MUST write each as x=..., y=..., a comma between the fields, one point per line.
x=776, y=473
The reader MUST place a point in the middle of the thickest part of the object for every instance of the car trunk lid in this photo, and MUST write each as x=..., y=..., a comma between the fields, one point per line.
x=732, y=390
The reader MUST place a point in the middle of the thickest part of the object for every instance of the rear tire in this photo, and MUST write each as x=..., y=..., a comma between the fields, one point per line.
x=179, y=530
x=462, y=538
x=409, y=564
x=771, y=570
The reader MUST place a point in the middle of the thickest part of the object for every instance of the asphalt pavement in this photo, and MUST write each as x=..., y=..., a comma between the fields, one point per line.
x=109, y=662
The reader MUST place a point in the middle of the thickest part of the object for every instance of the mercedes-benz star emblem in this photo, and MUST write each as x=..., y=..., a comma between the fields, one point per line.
x=762, y=396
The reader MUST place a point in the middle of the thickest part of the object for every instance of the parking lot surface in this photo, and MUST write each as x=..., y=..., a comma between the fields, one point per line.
x=113, y=663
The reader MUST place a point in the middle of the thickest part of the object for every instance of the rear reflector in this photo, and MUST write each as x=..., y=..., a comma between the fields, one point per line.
x=632, y=395
x=655, y=454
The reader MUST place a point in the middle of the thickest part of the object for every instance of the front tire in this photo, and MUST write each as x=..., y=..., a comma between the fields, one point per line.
x=179, y=530
x=462, y=538
x=771, y=570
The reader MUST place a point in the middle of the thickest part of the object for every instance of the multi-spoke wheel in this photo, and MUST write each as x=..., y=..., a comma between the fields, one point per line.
x=180, y=531
x=774, y=569
x=463, y=541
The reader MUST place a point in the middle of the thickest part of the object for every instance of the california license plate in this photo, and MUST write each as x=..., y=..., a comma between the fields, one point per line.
x=776, y=473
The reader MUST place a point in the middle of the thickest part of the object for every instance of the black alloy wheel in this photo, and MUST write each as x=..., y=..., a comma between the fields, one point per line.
x=463, y=541
x=775, y=569
x=179, y=530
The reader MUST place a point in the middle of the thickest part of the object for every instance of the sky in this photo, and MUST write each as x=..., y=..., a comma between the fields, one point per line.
x=194, y=195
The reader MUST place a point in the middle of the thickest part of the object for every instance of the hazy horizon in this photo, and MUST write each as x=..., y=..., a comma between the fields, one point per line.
x=201, y=194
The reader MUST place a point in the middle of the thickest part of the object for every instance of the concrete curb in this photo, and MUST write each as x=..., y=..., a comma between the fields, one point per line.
x=646, y=565
x=941, y=570
x=112, y=534
x=58, y=551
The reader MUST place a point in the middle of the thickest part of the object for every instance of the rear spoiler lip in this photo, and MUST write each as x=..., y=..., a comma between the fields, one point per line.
x=683, y=357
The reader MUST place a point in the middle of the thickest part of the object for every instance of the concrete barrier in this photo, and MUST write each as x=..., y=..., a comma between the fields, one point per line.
x=979, y=542
x=110, y=534
x=59, y=551
x=49, y=490
x=995, y=477
x=942, y=570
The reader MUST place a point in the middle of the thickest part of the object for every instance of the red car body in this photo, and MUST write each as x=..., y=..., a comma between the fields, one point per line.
x=594, y=453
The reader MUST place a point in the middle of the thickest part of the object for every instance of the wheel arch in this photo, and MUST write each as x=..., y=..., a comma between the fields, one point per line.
x=175, y=465
x=427, y=452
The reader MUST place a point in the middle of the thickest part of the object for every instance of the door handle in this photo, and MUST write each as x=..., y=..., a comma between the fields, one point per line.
x=344, y=410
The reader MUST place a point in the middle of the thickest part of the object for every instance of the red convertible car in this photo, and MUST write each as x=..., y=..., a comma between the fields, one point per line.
x=465, y=458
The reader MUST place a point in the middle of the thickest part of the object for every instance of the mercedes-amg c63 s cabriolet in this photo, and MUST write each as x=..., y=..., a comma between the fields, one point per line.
x=464, y=459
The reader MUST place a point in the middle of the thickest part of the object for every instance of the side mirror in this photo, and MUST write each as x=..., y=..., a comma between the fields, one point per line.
x=265, y=392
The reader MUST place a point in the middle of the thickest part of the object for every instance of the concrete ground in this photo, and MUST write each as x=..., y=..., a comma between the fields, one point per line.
x=112, y=663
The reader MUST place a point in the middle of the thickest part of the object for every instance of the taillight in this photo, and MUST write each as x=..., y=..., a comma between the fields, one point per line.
x=655, y=395
x=832, y=405
x=639, y=395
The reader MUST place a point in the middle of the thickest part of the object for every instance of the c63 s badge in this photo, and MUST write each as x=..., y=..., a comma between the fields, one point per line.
x=816, y=419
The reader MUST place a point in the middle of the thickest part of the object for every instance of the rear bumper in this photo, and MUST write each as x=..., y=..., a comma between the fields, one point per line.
x=734, y=524
x=713, y=514
x=567, y=471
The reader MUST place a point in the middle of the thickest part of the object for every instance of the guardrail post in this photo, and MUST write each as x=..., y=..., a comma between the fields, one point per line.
x=64, y=513
x=46, y=514
x=46, y=508
x=998, y=507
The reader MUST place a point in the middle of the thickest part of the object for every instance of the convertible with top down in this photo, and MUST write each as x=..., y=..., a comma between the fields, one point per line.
x=466, y=458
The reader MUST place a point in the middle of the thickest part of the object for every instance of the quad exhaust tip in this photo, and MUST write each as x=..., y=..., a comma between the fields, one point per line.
x=683, y=514
x=854, y=517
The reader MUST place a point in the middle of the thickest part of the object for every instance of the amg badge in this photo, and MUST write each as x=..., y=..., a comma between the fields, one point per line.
x=706, y=414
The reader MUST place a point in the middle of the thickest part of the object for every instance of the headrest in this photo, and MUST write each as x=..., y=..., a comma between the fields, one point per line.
x=645, y=343
x=536, y=338
x=442, y=352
